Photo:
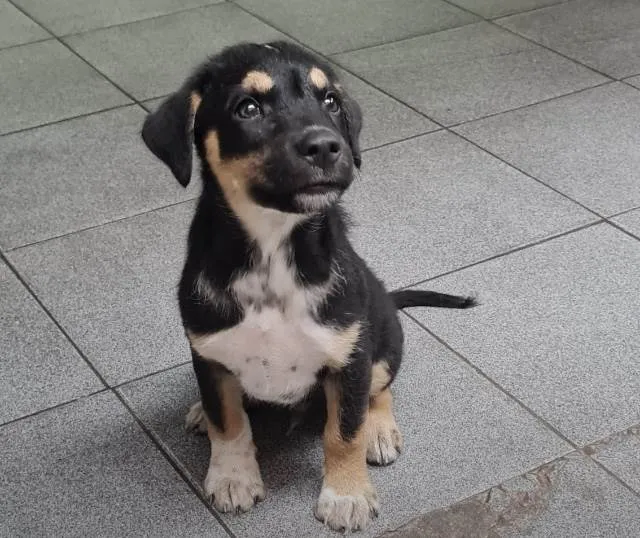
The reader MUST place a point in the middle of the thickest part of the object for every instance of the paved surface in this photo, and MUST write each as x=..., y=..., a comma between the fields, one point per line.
x=503, y=157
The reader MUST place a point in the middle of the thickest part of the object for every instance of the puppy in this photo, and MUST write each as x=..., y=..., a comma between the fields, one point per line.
x=273, y=298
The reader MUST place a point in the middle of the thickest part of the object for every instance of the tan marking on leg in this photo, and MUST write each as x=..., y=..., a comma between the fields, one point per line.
x=233, y=479
x=380, y=377
x=344, y=461
x=347, y=500
x=233, y=414
x=257, y=81
x=318, y=78
x=384, y=440
x=342, y=346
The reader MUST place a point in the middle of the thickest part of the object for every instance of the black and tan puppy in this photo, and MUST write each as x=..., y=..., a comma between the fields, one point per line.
x=273, y=298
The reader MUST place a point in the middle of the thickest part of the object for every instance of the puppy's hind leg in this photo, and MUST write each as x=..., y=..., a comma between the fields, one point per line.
x=384, y=440
x=196, y=420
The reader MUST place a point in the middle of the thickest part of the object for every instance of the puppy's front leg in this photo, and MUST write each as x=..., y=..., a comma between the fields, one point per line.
x=233, y=479
x=347, y=500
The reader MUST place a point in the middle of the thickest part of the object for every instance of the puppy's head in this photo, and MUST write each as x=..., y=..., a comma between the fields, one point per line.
x=270, y=122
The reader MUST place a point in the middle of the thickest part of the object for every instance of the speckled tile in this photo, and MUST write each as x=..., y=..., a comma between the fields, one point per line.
x=557, y=328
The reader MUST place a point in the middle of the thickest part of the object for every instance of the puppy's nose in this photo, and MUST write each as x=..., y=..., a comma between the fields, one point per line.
x=319, y=146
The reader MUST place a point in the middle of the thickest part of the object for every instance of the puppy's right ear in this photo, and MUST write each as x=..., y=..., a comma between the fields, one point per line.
x=168, y=132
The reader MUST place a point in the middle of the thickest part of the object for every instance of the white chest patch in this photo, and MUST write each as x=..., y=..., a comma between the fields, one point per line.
x=277, y=350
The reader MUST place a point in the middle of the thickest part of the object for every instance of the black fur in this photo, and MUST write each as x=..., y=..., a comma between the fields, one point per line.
x=219, y=247
x=408, y=298
x=208, y=374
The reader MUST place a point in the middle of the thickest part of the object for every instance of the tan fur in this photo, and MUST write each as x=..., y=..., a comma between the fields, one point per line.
x=342, y=346
x=318, y=78
x=232, y=410
x=235, y=177
x=196, y=99
x=345, y=463
x=380, y=377
x=381, y=408
x=257, y=81
x=384, y=440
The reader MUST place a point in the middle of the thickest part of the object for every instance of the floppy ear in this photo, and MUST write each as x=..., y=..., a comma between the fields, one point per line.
x=168, y=132
x=353, y=119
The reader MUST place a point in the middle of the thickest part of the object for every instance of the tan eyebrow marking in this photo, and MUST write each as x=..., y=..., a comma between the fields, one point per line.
x=318, y=78
x=257, y=81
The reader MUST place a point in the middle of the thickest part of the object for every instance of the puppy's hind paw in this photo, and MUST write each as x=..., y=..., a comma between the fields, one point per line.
x=196, y=420
x=384, y=442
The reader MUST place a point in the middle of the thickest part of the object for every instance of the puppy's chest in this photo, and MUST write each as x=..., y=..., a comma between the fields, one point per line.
x=278, y=348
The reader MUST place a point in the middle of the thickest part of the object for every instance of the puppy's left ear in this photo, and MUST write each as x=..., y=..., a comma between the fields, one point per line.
x=353, y=120
x=168, y=132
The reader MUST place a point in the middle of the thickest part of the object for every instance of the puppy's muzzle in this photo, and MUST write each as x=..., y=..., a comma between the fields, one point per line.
x=323, y=159
x=319, y=146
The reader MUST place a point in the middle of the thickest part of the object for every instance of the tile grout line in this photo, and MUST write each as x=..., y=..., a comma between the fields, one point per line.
x=624, y=81
x=173, y=461
x=497, y=385
x=407, y=38
x=616, y=215
x=406, y=139
x=82, y=58
x=524, y=406
x=612, y=474
x=135, y=21
x=505, y=253
x=522, y=171
x=46, y=310
x=53, y=407
x=99, y=225
x=38, y=23
x=621, y=229
x=99, y=391
x=146, y=376
x=530, y=10
x=78, y=116
x=593, y=69
x=9, y=47
x=530, y=105
x=495, y=24
x=152, y=436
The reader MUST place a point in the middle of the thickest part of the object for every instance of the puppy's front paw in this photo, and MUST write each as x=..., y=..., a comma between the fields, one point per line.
x=346, y=512
x=196, y=420
x=384, y=440
x=234, y=484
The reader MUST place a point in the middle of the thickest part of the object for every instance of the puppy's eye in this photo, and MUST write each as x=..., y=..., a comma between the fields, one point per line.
x=330, y=101
x=248, y=109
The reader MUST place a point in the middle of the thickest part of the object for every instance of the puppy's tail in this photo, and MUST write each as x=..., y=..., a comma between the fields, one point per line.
x=408, y=298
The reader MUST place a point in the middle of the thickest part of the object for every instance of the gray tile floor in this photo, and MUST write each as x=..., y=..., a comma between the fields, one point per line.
x=502, y=157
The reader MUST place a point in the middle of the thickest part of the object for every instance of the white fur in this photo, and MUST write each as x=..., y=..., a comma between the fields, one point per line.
x=349, y=512
x=316, y=202
x=384, y=441
x=233, y=479
x=278, y=348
